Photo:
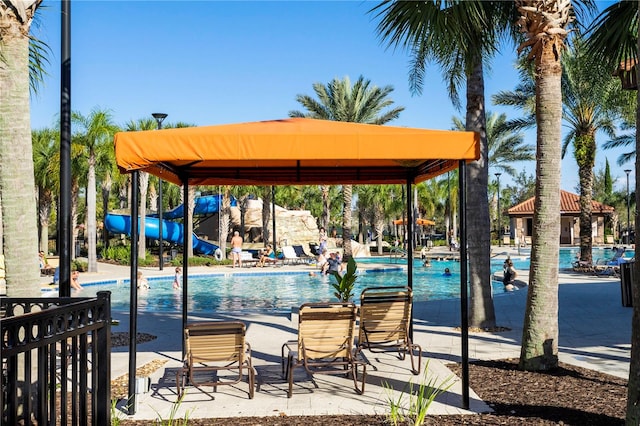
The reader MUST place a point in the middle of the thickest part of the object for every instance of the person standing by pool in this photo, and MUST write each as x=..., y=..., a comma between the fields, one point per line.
x=177, y=279
x=322, y=240
x=236, y=249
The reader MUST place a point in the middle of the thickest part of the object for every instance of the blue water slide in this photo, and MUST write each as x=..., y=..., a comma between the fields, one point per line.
x=204, y=205
x=171, y=231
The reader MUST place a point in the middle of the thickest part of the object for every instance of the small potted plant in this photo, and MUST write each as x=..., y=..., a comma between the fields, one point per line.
x=345, y=283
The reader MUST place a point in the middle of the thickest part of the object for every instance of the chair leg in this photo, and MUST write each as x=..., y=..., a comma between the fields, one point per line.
x=413, y=347
x=354, y=374
x=252, y=381
x=290, y=368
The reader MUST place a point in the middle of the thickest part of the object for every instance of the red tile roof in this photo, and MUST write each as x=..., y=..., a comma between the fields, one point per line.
x=569, y=204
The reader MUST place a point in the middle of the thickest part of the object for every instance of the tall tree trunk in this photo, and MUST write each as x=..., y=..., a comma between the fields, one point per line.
x=586, y=161
x=266, y=215
x=20, y=230
x=539, y=349
x=326, y=207
x=106, y=191
x=346, y=221
x=142, y=240
x=75, y=189
x=225, y=220
x=189, y=227
x=633, y=389
x=44, y=212
x=91, y=216
x=481, y=312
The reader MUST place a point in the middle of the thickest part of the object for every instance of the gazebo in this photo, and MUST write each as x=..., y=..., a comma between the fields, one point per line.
x=295, y=151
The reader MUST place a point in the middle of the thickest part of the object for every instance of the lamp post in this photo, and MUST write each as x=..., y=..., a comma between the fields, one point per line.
x=159, y=116
x=499, y=212
x=627, y=171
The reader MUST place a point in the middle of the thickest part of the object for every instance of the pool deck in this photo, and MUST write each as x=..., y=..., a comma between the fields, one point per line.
x=595, y=333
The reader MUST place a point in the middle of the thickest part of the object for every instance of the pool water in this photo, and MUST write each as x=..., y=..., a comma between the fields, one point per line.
x=278, y=292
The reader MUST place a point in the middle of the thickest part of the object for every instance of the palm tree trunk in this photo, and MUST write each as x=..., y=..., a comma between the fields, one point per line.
x=539, y=349
x=326, y=207
x=20, y=230
x=225, y=220
x=189, y=227
x=106, y=190
x=586, y=160
x=142, y=240
x=266, y=214
x=481, y=312
x=346, y=221
x=44, y=212
x=91, y=217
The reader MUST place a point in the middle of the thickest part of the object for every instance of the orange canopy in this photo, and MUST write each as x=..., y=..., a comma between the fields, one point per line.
x=294, y=151
x=423, y=222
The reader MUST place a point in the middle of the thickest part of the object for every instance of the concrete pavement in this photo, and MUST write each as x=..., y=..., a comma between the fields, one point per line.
x=595, y=332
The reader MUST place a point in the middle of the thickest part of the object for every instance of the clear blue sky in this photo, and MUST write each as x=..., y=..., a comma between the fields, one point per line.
x=215, y=62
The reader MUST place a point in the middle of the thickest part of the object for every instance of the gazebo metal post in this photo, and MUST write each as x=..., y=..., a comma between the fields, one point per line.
x=409, y=239
x=133, y=293
x=160, y=116
x=185, y=256
x=464, y=313
x=64, y=213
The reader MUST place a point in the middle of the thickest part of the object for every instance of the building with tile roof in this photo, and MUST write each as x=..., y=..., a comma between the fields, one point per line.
x=521, y=219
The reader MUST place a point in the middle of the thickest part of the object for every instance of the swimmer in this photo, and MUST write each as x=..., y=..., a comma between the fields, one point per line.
x=447, y=272
x=426, y=263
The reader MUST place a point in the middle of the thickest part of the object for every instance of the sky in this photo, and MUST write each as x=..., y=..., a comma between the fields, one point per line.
x=218, y=62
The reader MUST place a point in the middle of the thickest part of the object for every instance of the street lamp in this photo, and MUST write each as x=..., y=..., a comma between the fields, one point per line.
x=499, y=212
x=627, y=171
x=159, y=116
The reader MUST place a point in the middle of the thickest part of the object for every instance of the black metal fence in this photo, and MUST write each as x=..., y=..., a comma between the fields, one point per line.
x=56, y=362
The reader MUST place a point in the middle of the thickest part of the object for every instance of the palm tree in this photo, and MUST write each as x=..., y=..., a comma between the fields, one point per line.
x=615, y=39
x=460, y=37
x=591, y=99
x=382, y=202
x=45, y=151
x=360, y=103
x=19, y=223
x=95, y=132
x=545, y=27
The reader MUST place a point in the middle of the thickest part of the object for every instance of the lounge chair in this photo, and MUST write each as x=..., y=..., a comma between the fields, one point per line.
x=325, y=343
x=290, y=256
x=300, y=253
x=212, y=347
x=385, y=315
x=247, y=259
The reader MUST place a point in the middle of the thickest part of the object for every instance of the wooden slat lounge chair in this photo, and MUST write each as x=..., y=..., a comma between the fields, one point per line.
x=385, y=315
x=325, y=343
x=212, y=347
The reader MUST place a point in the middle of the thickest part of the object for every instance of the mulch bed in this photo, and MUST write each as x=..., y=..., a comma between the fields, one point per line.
x=567, y=395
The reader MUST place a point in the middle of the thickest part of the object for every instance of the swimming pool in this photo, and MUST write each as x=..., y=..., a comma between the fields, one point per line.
x=278, y=291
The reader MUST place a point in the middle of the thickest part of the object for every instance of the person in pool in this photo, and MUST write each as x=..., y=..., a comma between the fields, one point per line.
x=447, y=272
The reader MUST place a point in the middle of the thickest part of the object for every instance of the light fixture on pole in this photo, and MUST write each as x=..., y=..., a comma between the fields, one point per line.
x=159, y=116
x=499, y=212
x=627, y=171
